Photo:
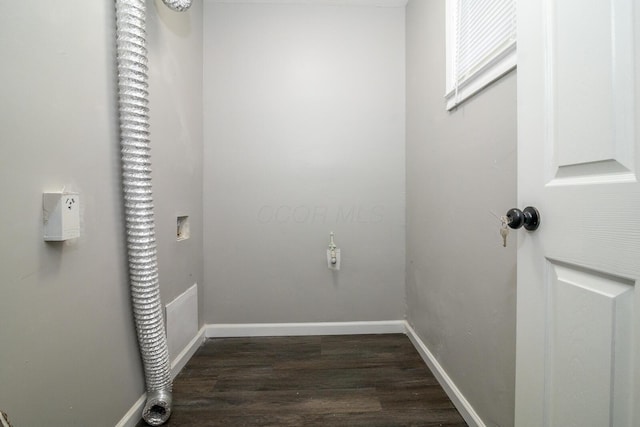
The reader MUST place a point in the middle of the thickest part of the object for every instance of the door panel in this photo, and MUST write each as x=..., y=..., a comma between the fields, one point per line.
x=578, y=308
x=588, y=328
x=590, y=106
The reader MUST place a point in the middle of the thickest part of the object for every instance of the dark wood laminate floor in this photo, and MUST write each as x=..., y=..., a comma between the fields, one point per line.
x=354, y=380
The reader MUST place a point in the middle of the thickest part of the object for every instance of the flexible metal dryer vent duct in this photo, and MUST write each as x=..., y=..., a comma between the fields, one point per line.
x=133, y=103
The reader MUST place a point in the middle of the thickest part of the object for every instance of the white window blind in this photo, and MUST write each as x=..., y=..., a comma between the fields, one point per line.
x=481, y=45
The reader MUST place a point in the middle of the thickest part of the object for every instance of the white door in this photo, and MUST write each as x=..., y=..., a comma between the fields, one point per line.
x=578, y=305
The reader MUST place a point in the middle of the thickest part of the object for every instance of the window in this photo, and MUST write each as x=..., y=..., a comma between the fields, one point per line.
x=481, y=45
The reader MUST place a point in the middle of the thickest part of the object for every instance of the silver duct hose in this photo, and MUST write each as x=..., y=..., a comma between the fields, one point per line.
x=133, y=103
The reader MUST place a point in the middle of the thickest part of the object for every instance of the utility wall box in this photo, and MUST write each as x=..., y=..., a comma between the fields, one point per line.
x=61, y=215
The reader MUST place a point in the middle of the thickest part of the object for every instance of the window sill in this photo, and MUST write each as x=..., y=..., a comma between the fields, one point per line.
x=491, y=72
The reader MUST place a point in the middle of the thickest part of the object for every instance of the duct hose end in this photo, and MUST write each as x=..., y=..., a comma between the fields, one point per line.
x=157, y=410
x=178, y=5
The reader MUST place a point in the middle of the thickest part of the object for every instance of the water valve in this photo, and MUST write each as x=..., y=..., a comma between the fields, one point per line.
x=333, y=254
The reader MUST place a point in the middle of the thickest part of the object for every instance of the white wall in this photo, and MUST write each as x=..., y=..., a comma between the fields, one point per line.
x=304, y=134
x=461, y=170
x=68, y=353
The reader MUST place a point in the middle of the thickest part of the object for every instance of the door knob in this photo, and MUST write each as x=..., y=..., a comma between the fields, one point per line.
x=529, y=217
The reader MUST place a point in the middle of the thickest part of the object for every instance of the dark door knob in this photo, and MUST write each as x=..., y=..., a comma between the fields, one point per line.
x=529, y=218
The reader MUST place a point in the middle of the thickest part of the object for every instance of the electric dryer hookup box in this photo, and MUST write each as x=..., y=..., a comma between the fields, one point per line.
x=61, y=215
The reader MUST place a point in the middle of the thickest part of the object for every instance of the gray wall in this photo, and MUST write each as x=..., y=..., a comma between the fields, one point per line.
x=305, y=128
x=175, y=79
x=69, y=355
x=461, y=170
x=304, y=134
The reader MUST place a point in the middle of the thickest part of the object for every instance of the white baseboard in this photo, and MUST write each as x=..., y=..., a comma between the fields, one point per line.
x=134, y=414
x=185, y=355
x=301, y=329
x=456, y=396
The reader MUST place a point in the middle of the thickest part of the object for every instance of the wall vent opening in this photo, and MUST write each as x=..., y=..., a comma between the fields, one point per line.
x=183, y=228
